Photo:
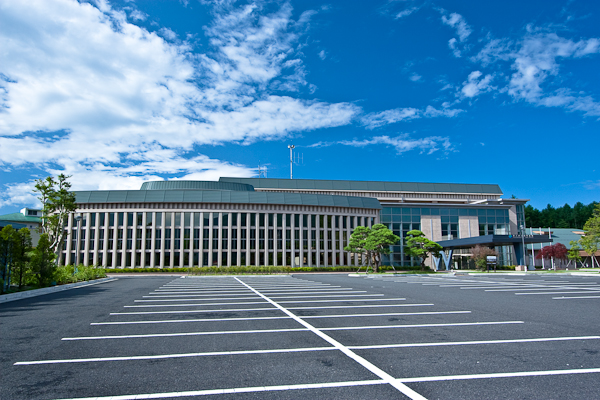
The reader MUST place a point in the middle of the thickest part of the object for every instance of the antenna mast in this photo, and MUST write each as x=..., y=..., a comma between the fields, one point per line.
x=291, y=147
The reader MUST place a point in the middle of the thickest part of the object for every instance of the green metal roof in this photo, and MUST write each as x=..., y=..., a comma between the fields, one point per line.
x=378, y=186
x=196, y=185
x=559, y=235
x=219, y=196
x=18, y=217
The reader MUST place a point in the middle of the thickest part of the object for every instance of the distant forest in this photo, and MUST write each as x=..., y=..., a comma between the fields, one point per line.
x=561, y=217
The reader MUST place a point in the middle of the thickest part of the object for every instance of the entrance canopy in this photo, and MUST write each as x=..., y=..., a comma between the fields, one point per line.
x=516, y=241
x=493, y=241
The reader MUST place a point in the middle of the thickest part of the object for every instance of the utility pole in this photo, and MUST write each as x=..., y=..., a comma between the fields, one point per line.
x=291, y=147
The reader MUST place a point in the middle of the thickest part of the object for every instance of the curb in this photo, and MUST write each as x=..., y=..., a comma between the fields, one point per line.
x=5, y=298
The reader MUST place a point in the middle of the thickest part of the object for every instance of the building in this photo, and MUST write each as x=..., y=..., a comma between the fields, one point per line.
x=27, y=218
x=252, y=221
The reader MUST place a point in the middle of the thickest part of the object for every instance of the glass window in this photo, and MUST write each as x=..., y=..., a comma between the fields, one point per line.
x=261, y=219
x=225, y=219
x=111, y=219
x=215, y=219
x=168, y=219
x=120, y=218
x=206, y=218
x=197, y=223
x=139, y=217
x=187, y=219
x=243, y=219
x=177, y=219
x=234, y=219
x=158, y=218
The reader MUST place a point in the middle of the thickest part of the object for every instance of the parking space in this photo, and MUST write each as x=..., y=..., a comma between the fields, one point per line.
x=329, y=336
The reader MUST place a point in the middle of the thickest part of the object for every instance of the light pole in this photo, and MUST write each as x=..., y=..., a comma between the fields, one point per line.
x=291, y=147
x=77, y=241
x=523, y=242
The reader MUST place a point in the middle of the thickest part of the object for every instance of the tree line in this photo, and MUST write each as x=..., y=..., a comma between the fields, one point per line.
x=561, y=217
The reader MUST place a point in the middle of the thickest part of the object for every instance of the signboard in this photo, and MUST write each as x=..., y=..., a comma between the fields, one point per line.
x=491, y=259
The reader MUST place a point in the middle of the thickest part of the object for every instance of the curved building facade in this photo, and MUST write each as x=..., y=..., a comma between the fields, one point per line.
x=192, y=223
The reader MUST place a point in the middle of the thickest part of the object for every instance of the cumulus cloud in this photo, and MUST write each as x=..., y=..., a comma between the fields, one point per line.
x=375, y=120
x=456, y=21
x=535, y=62
x=85, y=91
x=476, y=84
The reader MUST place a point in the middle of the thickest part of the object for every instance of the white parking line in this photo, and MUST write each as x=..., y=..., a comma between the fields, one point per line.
x=368, y=365
x=587, y=291
x=197, y=305
x=384, y=314
x=500, y=375
x=352, y=328
x=192, y=311
x=364, y=306
x=163, y=356
x=154, y=335
x=576, y=297
x=475, y=342
x=236, y=390
x=174, y=321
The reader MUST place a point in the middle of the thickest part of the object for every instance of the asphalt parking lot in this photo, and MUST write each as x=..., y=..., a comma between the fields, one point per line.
x=326, y=336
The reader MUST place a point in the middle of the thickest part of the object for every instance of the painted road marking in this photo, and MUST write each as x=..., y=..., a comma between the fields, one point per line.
x=501, y=375
x=364, y=306
x=192, y=311
x=351, y=328
x=475, y=342
x=236, y=390
x=576, y=297
x=164, y=356
x=368, y=365
x=153, y=335
x=174, y=321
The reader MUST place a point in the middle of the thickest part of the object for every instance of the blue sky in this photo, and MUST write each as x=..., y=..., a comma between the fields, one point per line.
x=118, y=93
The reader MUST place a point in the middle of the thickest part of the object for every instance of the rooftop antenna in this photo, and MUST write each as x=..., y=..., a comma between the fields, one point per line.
x=291, y=147
x=262, y=171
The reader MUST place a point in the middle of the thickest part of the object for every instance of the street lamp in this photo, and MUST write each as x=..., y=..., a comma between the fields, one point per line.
x=522, y=228
x=78, y=239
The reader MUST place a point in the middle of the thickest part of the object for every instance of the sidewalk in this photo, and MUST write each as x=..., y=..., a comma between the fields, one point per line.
x=5, y=298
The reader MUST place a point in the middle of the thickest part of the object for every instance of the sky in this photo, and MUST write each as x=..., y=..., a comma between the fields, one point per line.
x=116, y=93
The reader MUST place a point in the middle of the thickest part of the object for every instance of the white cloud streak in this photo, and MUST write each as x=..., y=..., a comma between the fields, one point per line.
x=376, y=120
x=404, y=143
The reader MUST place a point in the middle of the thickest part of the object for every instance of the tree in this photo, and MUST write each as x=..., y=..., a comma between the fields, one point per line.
x=371, y=243
x=57, y=203
x=417, y=245
x=378, y=242
x=42, y=261
x=479, y=255
x=7, y=248
x=21, y=255
x=573, y=254
x=557, y=250
x=591, y=238
x=357, y=243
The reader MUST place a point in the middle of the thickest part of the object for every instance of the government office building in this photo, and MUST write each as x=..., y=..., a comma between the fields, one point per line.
x=262, y=221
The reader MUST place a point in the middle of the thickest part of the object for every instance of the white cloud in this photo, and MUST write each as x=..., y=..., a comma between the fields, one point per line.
x=535, y=60
x=415, y=77
x=87, y=92
x=322, y=55
x=404, y=143
x=406, y=12
x=456, y=21
x=474, y=86
x=375, y=120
